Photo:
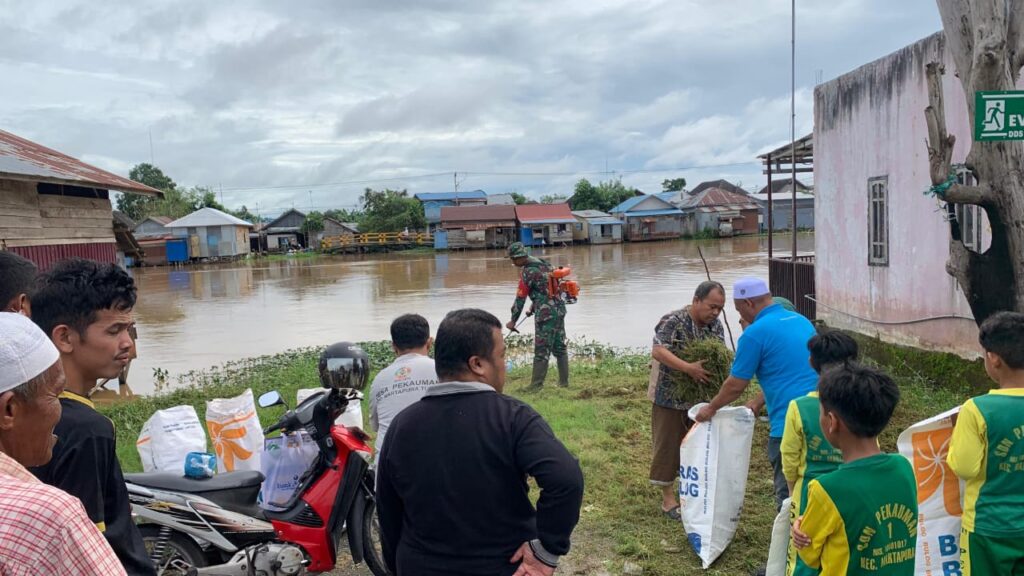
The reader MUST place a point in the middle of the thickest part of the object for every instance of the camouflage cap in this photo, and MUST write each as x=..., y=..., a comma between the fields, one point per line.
x=517, y=250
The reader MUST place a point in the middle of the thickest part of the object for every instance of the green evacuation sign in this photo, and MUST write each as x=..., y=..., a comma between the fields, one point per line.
x=999, y=116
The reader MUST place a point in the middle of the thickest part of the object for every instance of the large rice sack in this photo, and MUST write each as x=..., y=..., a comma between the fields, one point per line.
x=926, y=445
x=778, y=550
x=235, y=432
x=168, y=437
x=352, y=417
x=714, y=460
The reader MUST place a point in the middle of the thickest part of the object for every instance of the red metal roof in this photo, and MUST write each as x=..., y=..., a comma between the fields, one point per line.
x=22, y=159
x=544, y=212
x=501, y=212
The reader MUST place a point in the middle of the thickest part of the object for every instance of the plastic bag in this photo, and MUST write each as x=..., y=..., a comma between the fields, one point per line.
x=926, y=445
x=713, y=464
x=778, y=551
x=167, y=438
x=352, y=417
x=285, y=459
x=235, y=432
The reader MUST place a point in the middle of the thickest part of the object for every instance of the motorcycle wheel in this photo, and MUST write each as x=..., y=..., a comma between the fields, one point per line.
x=372, y=552
x=180, y=552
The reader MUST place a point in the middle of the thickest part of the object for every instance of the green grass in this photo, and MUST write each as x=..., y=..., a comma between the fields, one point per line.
x=603, y=418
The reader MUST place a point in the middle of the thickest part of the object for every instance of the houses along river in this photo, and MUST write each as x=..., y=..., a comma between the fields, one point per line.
x=197, y=317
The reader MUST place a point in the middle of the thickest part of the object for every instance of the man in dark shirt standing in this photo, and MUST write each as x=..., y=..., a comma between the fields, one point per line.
x=452, y=492
x=86, y=309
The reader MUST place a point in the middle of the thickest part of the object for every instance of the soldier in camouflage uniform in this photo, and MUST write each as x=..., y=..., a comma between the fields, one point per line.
x=548, y=315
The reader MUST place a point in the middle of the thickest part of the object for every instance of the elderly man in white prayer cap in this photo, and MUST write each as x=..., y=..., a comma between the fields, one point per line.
x=43, y=530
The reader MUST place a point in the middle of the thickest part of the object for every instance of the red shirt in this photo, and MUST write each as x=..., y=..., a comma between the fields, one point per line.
x=43, y=530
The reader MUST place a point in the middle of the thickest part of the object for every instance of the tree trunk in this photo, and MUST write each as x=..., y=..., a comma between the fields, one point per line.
x=985, y=39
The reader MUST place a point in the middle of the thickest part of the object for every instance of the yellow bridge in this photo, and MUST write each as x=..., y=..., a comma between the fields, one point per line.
x=355, y=242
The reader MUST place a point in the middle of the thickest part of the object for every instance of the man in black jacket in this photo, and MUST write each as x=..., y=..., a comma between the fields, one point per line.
x=452, y=492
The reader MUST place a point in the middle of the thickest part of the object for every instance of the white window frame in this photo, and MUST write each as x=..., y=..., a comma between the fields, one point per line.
x=971, y=217
x=878, y=221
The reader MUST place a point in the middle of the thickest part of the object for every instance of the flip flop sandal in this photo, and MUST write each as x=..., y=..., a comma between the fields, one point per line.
x=673, y=514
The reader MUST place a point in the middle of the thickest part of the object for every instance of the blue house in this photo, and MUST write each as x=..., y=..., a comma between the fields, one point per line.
x=434, y=201
x=649, y=217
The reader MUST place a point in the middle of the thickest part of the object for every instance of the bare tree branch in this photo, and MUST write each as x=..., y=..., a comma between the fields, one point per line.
x=940, y=144
x=959, y=27
x=981, y=195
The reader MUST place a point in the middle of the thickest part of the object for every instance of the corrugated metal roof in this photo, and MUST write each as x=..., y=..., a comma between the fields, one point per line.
x=22, y=159
x=544, y=213
x=502, y=212
x=637, y=213
x=607, y=220
x=207, y=217
x=590, y=213
x=162, y=220
x=785, y=196
x=628, y=205
x=714, y=196
x=433, y=196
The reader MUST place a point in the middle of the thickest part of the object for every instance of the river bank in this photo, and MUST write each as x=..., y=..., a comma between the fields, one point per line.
x=604, y=419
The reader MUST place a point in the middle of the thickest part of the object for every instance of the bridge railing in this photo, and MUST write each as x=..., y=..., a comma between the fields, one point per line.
x=376, y=239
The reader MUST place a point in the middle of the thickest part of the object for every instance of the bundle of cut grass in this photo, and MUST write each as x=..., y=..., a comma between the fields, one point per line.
x=717, y=362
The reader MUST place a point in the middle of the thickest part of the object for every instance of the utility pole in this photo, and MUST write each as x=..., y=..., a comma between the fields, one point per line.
x=221, y=184
x=792, y=146
x=455, y=177
x=310, y=200
x=151, y=147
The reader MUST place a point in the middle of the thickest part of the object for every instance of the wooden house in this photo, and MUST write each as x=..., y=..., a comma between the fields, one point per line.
x=285, y=232
x=648, y=217
x=53, y=206
x=596, y=227
x=492, y=226
x=545, y=224
x=720, y=208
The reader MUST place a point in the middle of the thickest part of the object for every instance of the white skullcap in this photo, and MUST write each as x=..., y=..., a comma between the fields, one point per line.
x=747, y=288
x=25, y=351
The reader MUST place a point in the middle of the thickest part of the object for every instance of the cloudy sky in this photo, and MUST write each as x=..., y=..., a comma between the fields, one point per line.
x=290, y=103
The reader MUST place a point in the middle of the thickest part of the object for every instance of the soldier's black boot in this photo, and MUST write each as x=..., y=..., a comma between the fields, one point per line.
x=563, y=369
x=540, y=371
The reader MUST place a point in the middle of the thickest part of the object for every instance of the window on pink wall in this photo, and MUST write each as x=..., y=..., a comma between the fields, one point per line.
x=878, y=221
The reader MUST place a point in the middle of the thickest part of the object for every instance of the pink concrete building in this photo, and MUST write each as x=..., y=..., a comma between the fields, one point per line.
x=881, y=243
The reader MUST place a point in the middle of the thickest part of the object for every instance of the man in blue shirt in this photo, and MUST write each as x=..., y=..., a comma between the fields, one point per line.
x=773, y=348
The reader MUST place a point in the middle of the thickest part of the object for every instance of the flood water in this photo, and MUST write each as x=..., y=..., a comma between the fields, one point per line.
x=198, y=317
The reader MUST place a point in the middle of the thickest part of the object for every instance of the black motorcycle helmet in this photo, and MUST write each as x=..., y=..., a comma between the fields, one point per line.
x=344, y=365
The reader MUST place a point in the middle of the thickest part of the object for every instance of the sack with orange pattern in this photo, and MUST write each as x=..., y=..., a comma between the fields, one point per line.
x=235, y=432
x=926, y=445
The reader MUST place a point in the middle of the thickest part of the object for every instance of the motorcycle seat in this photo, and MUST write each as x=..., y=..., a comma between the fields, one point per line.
x=235, y=491
x=179, y=483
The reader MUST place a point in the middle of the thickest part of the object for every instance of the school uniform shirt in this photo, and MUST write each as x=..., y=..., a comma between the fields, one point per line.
x=397, y=387
x=806, y=455
x=85, y=465
x=774, y=348
x=862, y=519
x=44, y=530
x=987, y=450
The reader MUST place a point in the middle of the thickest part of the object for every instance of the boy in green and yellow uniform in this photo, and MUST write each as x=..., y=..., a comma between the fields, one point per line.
x=861, y=519
x=806, y=454
x=987, y=451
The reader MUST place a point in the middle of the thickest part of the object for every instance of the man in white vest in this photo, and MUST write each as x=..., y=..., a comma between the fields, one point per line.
x=406, y=380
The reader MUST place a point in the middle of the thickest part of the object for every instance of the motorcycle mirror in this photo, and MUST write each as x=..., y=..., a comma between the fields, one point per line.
x=272, y=398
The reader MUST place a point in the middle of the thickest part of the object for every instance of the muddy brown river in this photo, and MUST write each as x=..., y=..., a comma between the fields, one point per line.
x=198, y=317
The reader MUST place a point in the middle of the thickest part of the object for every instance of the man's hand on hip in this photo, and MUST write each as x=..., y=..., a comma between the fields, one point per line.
x=530, y=566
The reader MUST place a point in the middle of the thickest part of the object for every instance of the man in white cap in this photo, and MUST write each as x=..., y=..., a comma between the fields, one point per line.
x=43, y=530
x=773, y=348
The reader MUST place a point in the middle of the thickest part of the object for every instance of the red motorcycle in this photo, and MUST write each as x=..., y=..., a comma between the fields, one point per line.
x=189, y=524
